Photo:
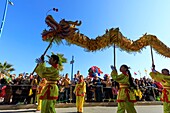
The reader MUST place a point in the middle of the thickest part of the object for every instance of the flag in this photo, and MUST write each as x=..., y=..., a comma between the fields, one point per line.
x=139, y=72
x=146, y=71
x=24, y=73
x=135, y=73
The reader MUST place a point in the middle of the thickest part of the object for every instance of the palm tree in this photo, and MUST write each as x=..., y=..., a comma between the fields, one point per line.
x=62, y=60
x=6, y=68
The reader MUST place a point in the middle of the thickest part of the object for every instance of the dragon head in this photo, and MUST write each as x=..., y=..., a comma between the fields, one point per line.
x=59, y=30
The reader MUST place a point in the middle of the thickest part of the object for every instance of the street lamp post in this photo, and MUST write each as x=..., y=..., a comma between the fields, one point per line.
x=4, y=15
x=72, y=62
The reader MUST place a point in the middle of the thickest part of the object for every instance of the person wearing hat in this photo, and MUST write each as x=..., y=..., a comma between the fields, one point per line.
x=49, y=94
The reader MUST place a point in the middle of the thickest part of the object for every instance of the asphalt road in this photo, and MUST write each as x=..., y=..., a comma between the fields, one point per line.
x=97, y=109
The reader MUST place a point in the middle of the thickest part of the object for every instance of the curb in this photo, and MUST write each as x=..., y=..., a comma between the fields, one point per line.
x=63, y=105
x=149, y=103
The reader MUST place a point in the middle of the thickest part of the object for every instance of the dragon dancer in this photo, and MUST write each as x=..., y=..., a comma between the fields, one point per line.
x=80, y=91
x=50, y=92
x=126, y=96
x=164, y=78
x=39, y=91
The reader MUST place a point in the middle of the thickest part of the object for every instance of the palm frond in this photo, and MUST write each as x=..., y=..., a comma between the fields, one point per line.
x=5, y=63
x=9, y=66
x=10, y=69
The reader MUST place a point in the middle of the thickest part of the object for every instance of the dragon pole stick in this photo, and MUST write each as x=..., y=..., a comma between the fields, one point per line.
x=152, y=56
x=44, y=53
x=114, y=53
x=153, y=67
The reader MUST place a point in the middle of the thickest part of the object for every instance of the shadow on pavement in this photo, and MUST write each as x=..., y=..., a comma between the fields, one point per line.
x=71, y=112
x=25, y=111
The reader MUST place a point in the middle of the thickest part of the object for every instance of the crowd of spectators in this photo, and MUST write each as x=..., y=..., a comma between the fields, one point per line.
x=16, y=89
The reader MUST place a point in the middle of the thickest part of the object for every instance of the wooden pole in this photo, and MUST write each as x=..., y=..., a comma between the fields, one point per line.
x=152, y=56
x=153, y=66
x=114, y=53
x=44, y=53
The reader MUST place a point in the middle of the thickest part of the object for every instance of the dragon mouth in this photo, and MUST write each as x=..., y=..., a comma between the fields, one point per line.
x=47, y=34
x=62, y=29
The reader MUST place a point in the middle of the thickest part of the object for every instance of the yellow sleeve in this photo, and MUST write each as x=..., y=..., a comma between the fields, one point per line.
x=40, y=69
x=156, y=76
x=166, y=78
x=84, y=87
x=119, y=78
x=69, y=81
x=75, y=89
x=47, y=72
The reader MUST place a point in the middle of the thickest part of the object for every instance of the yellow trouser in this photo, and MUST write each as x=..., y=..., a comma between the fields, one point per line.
x=166, y=107
x=39, y=102
x=128, y=106
x=79, y=103
x=48, y=106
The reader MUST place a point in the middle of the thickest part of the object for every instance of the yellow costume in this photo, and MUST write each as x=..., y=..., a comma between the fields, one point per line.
x=165, y=80
x=126, y=96
x=138, y=93
x=80, y=91
x=67, y=83
x=39, y=91
x=33, y=90
x=50, y=92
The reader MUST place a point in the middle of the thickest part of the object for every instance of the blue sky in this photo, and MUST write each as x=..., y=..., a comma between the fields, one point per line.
x=21, y=42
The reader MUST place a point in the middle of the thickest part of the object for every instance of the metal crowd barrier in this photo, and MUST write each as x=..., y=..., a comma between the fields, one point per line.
x=72, y=96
